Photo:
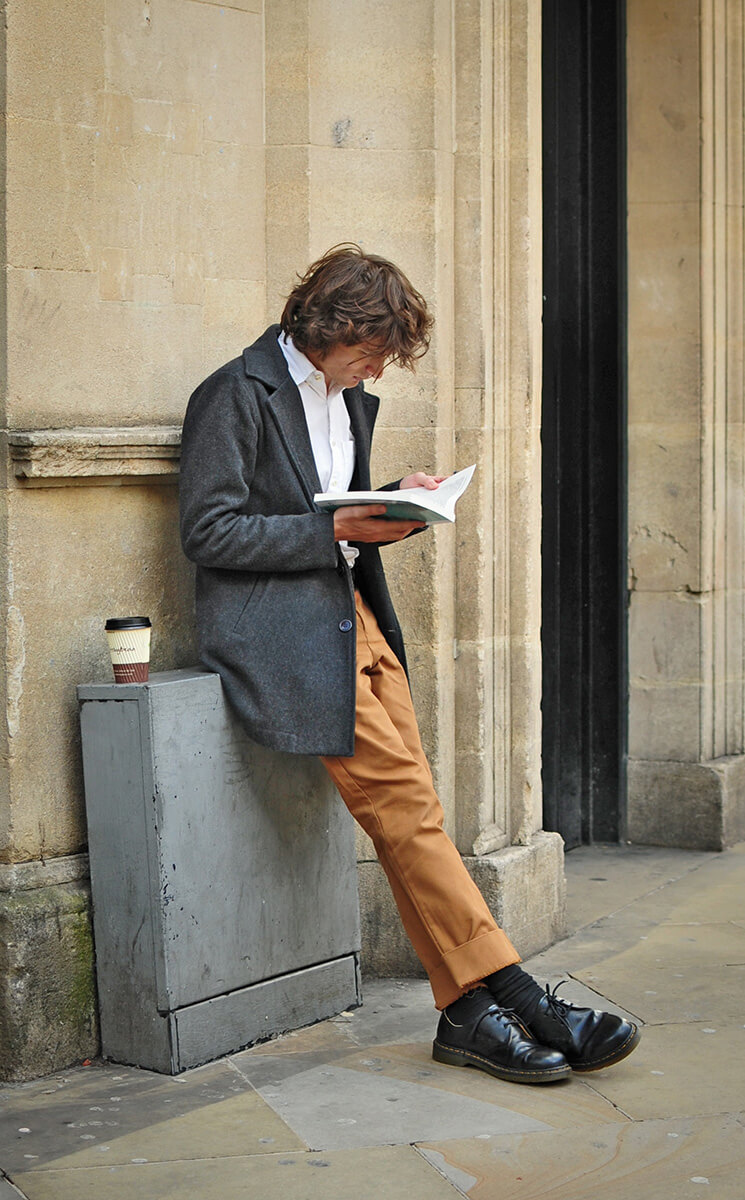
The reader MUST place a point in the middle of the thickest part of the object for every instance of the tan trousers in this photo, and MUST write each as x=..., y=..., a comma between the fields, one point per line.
x=387, y=786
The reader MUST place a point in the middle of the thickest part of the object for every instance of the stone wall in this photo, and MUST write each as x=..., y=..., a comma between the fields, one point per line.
x=686, y=503
x=170, y=165
x=134, y=244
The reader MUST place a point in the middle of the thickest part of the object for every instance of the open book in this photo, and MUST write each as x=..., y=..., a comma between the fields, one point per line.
x=407, y=504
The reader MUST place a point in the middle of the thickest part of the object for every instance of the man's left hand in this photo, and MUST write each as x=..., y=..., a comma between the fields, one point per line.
x=419, y=479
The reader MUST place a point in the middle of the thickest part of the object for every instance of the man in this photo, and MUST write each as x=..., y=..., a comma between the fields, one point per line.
x=294, y=613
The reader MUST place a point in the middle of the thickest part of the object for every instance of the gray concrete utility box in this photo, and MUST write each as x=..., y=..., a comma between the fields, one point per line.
x=223, y=876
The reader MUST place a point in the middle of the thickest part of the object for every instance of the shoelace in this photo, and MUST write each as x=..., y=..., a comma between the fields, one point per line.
x=558, y=1006
x=509, y=1013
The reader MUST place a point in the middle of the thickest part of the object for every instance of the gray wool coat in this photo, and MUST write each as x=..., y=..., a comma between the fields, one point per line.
x=274, y=596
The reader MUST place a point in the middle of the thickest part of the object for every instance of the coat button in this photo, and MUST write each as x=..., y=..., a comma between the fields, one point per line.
x=345, y=625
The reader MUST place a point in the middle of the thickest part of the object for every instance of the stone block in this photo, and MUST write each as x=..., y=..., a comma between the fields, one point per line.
x=665, y=507
x=397, y=218
x=664, y=256
x=185, y=133
x=663, y=58
x=287, y=92
x=233, y=315
x=468, y=41
x=249, y=6
x=375, y=100
x=471, y=273
x=473, y=683
x=233, y=219
x=117, y=118
x=483, y=793
x=47, y=990
x=665, y=721
x=408, y=400
x=398, y=451
x=115, y=281
x=525, y=889
x=287, y=221
x=665, y=380
x=470, y=407
x=431, y=696
x=667, y=637
x=522, y=738
x=188, y=279
x=691, y=805
x=151, y=116
x=50, y=205
x=55, y=60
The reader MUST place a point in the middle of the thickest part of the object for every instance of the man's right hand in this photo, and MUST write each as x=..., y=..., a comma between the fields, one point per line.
x=364, y=523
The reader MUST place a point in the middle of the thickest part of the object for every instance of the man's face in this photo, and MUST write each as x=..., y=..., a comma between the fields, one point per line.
x=345, y=366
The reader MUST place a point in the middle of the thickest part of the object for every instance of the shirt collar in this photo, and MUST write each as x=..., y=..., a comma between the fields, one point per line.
x=302, y=369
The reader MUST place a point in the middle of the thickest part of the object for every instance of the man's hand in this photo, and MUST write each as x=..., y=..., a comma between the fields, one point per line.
x=364, y=523
x=419, y=479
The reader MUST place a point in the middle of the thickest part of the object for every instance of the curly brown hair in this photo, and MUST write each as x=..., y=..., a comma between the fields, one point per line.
x=350, y=298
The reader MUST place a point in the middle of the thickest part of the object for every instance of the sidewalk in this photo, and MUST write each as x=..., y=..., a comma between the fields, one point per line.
x=355, y=1108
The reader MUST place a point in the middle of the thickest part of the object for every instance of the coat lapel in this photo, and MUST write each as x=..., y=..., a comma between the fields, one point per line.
x=286, y=408
x=265, y=361
x=362, y=410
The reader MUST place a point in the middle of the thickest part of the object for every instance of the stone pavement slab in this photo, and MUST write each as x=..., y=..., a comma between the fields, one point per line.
x=700, y=1158
x=604, y=879
x=392, y=1172
x=110, y=1114
x=679, y=1070
x=335, y=1108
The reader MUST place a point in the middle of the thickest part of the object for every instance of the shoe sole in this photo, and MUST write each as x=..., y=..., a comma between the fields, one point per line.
x=632, y=1041
x=452, y=1057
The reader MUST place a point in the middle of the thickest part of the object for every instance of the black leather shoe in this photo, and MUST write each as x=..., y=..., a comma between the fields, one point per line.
x=588, y=1038
x=475, y=1032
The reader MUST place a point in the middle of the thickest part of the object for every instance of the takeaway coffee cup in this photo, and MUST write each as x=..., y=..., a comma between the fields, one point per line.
x=129, y=643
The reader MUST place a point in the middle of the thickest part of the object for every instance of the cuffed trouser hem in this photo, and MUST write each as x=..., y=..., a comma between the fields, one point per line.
x=469, y=964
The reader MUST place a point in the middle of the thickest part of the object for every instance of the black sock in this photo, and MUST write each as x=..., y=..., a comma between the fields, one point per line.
x=514, y=988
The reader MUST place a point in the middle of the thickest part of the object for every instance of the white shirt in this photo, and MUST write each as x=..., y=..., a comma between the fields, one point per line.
x=328, y=424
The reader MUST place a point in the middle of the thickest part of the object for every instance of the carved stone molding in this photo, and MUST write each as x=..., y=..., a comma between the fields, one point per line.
x=94, y=455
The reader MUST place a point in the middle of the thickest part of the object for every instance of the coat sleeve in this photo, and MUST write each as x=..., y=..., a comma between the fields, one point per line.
x=219, y=448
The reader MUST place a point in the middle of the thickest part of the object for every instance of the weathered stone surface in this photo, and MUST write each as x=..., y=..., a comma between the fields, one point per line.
x=694, y=805
x=47, y=1009
x=525, y=889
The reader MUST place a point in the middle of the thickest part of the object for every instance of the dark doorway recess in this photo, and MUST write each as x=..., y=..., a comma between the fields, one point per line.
x=584, y=420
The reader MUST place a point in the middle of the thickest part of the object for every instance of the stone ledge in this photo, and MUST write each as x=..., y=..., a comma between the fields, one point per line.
x=691, y=806
x=94, y=455
x=26, y=876
x=524, y=887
